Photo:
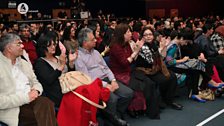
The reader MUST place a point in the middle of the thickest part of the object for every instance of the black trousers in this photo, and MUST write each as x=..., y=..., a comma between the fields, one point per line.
x=141, y=82
x=167, y=86
x=193, y=78
x=151, y=93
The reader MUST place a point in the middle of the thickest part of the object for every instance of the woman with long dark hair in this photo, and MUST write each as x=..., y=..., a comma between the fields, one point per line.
x=121, y=59
x=49, y=67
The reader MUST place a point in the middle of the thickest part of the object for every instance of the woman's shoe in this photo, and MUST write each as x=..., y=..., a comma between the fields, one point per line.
x=213, y=86
x=176, y=106
x=194, y=97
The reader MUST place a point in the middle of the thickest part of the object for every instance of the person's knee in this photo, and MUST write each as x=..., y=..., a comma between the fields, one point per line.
x=113, y=98
x=45, y=100
x=130, y=93
x=125, y=92
x=150, y=84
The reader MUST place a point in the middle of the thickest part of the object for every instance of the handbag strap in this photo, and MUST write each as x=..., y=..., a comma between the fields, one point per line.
x=89, y=101
x=86, y=99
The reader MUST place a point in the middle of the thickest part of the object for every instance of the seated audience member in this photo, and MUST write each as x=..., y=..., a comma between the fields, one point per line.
x=49, y=66
x=120, y=64
x=29, y=45
x=34, y=31
x=69, y=39
x=217, y=39
x=95, y=26
x=90, y=62
x=137, y=27
x=188, y=65
x=20, y=91
x=149, y=63
x=105, y=44
x=211, y=54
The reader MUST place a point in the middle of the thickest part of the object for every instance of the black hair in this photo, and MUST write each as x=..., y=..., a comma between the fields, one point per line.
x=45, y=41
x=207, y=27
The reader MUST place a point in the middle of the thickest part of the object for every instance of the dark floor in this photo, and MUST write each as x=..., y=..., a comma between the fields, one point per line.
x=192, y=114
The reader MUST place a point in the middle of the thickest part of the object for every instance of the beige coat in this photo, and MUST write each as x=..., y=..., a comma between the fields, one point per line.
x=9, y=100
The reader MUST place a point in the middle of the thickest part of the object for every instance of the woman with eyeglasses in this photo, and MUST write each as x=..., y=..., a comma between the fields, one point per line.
x=150, y=65
x=122, y=57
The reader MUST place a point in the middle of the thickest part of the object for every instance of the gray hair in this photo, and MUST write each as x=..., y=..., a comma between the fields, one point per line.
x=23, y=26
x=83, y=35
x=6, y=39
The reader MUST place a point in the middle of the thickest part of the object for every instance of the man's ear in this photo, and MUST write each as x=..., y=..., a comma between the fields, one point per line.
x=8, y=48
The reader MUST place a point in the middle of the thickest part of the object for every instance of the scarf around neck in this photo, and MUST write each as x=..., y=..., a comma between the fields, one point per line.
x=147, y=52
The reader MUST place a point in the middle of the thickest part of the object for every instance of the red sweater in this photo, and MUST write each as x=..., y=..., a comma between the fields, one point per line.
x=31, y=50
x=119, y=64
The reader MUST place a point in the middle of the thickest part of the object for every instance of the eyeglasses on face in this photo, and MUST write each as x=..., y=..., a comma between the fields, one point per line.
x=147, y=34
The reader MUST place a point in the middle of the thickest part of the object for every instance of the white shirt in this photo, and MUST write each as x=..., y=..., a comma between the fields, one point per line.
x=22, y=81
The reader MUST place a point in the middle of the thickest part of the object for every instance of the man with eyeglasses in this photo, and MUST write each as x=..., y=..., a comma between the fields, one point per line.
x=20, y=91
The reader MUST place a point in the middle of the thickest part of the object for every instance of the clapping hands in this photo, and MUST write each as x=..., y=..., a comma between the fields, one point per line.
x=72, y=56
x=138, y=45
x=221, y=51
x=164, y=42
x=202, y=57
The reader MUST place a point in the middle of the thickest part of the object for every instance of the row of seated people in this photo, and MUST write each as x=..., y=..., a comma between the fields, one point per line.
x=48, y=68
x=185, y=68
x=51, y=84
x=150, y=76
